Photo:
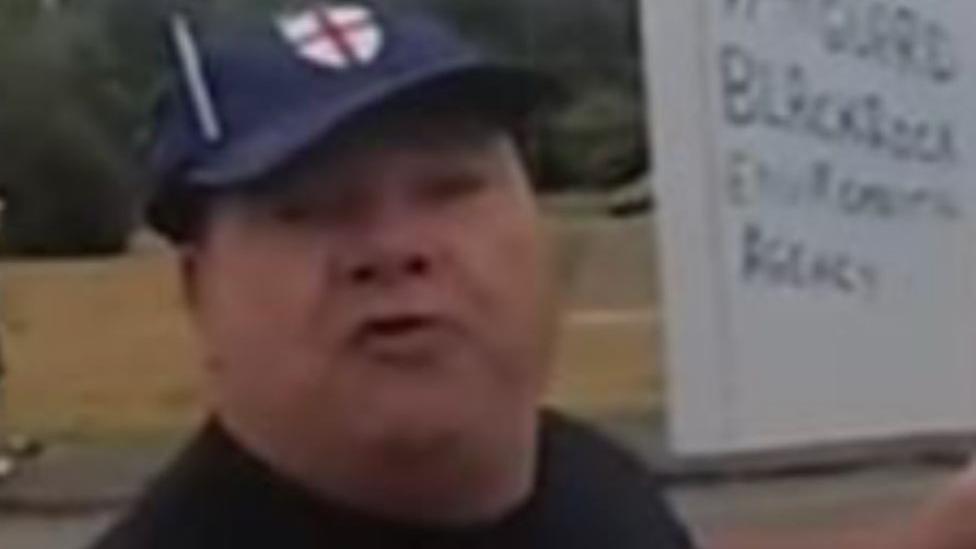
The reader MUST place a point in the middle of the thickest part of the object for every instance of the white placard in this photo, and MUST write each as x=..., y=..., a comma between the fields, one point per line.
x=815, y=170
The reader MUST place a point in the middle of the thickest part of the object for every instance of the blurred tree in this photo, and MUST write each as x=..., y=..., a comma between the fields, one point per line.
x=65, y=179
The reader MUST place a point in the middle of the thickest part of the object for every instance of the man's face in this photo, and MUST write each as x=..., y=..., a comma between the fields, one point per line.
x=397, y=291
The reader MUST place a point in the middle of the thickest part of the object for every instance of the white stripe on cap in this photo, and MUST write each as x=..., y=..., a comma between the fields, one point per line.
x=196, y=81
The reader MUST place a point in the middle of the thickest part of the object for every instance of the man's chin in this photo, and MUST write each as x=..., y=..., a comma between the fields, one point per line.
x=406, y=438
x=414, y=406
x=412, y=416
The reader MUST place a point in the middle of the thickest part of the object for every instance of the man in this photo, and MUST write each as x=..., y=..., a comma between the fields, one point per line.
x=361, y=258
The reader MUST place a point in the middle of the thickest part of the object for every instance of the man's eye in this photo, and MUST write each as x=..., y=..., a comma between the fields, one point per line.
x=293, y=213
x=451, y=188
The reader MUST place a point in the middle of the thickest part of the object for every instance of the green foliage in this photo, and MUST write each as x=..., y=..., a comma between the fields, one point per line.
x=65, y=178
x=597, y=143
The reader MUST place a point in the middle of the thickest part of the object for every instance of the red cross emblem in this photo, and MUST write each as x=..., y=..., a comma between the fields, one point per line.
x=337, y=37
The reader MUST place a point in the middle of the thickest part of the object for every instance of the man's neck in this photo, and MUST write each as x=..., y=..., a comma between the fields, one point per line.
x=453, y=480
x=457, y=486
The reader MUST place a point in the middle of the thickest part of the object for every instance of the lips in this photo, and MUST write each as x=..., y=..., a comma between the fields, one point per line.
x=401, y=335
x=395, y=326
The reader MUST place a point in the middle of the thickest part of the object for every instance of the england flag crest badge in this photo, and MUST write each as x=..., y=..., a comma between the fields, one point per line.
x=334, y=36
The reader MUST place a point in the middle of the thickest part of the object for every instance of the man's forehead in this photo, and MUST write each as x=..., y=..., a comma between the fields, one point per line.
x=443, y=136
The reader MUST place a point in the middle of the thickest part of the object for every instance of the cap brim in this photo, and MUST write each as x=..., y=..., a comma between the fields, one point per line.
x=503, y=90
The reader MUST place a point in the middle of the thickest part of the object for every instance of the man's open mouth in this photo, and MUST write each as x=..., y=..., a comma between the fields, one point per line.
x=400, y=339
x=398, y=326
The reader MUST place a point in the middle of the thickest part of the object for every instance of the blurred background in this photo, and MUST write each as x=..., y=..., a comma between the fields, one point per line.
x=100, y=363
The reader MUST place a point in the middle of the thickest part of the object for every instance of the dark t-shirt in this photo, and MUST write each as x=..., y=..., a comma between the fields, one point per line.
x=589, y=495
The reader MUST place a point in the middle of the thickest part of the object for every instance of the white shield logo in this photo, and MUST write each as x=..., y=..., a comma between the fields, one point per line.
x=336, y=37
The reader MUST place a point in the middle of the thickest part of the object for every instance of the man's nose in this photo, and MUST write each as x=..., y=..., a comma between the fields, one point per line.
x=390, y=269
x=388, y=257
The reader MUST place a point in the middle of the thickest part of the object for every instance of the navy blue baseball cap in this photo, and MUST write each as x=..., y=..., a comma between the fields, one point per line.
x=250, y=99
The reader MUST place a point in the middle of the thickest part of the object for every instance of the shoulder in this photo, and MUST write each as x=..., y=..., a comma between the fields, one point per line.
x=155, y=521
x=184, y=506
x=159, y=517
x=575, y=451
x=589, y=479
